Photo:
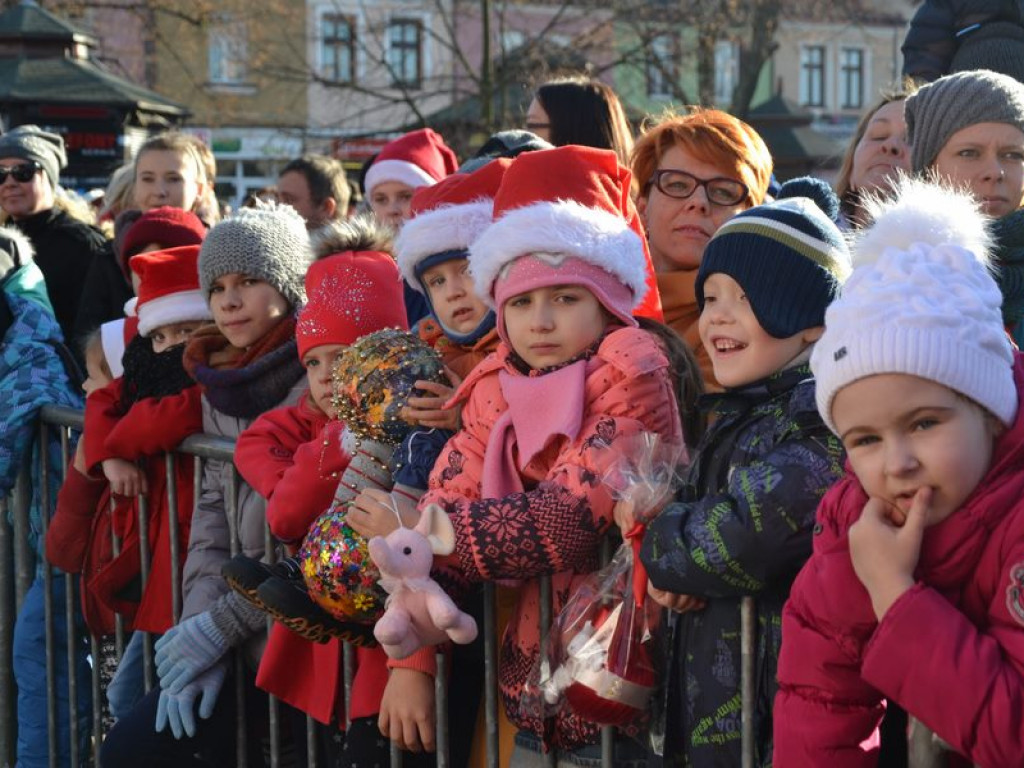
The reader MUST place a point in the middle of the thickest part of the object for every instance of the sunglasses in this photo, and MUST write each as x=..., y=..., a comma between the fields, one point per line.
x=681, y=185
x=22, y=172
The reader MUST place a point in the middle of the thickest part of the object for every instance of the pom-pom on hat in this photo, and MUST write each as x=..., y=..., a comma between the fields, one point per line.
x=167, y=226
x=168, y=288
x=350, y=295
x=921, y=301
x=270, y=243
x=954, y=102
x=572, y=206
x=788, y=256
x=416, y=159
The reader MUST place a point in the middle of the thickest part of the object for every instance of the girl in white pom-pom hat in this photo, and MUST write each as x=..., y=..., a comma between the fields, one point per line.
x=915, y=591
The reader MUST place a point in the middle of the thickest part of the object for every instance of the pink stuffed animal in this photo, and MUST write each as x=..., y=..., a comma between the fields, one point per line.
x=418, y=612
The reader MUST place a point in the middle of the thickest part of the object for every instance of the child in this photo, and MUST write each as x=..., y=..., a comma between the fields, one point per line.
x=915, y=591
x=573, y=374
x=742, y=525
x=250, y=271
x=33, y=374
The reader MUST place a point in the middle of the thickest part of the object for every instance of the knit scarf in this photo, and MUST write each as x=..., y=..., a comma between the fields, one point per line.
x=245, y=383
x=148, y=374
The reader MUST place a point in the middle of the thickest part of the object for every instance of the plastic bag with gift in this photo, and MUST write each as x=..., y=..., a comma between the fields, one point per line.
x=600, y=659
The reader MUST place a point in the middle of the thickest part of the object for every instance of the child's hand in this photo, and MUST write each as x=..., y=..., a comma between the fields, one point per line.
x=78, y=462
x=125, y=478
x=885, y=546
x=373, y=513
x=407, y=710
x=674, y=602
x=428, y=411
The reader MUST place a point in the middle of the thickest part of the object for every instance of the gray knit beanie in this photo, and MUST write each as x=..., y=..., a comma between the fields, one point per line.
x=30, y=142
x=270, y=243
x=954, y=102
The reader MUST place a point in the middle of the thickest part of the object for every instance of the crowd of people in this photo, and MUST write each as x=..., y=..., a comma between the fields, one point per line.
x=838, y=366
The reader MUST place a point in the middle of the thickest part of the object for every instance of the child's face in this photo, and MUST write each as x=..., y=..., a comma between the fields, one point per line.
x=167, y=177
x=450, y=288
x=171, y=335
x=548, y=326
x=245, y=308
x=902, y=433
x=96, y=368
x=319, y=364
x=389, y=202
x=740, y=349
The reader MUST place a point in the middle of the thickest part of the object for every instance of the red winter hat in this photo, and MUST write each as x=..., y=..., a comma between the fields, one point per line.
x=572, y=204
x=417, y=159
x=448, y=216
x=349, y=295
x=168, y=288
x=169, y=227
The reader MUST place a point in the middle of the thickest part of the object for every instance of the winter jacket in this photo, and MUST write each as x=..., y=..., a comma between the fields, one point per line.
x=64, y=250
x=151, y=428
x=32, y=374
x=950, y=650
x=104, y=293
x=741, y=527
x=557, y=524
x=937, y=27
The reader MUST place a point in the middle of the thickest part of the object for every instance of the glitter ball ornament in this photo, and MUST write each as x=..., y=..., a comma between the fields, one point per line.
x=374, y=378
x=338, y=571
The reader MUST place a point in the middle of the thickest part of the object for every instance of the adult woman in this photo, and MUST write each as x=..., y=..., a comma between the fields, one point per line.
x=877, y=152
x=696, y=171
x=981, y=148
x=578, y=110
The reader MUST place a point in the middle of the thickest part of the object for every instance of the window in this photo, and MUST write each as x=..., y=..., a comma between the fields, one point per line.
x=337, y=48
x=812, y=76
x=405, y=52
x=661, y=66
x=851, y=82
x=726, y=71
x=228, y=42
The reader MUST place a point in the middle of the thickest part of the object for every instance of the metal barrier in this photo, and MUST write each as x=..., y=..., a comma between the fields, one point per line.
x=15, y=582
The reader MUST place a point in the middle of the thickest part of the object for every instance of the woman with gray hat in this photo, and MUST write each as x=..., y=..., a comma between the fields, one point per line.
x=968, y=129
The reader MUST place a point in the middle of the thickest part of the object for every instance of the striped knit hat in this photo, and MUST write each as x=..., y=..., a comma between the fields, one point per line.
x=788, y=256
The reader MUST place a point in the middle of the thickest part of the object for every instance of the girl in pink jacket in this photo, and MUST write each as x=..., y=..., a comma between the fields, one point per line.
x=915, y=591
x=563, y=265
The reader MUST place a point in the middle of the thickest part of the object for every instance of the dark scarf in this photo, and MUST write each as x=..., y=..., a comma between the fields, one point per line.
x=148, y=374
x=245, y=383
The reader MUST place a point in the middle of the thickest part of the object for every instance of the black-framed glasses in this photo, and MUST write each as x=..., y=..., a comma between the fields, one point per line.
x=22, y=172
x=681, y=185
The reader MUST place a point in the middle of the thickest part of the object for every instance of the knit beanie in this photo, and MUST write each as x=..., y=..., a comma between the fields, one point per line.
x=168, y=288
x=270, y=243
x=30, y=142
x=417, y=159
x=997, y=46
x=350, y=295
x=788, y=255
x=954, y=102
x=567, y=215
x=921, y=301
x=166, y=226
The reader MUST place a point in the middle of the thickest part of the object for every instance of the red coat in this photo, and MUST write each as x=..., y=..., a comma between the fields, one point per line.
x=151, y=427
x=292, y=456
x=950, y=650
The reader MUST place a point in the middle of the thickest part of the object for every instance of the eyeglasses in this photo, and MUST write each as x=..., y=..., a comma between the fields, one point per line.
x=22, y=172
x=681, y=185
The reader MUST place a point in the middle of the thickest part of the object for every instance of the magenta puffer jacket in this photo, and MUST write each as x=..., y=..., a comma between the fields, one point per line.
x=950, y=650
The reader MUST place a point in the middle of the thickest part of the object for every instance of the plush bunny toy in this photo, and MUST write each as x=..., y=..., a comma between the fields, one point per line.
x=418, y=611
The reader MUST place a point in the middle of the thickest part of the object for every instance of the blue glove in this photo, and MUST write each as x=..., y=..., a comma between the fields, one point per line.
x=188, y=649
x=177, y=708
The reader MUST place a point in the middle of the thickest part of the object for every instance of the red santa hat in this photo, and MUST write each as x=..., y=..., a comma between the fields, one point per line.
x=570, y=212
x=417, y=159
x=349, y=295
x=448, y=216
x=168, y=288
